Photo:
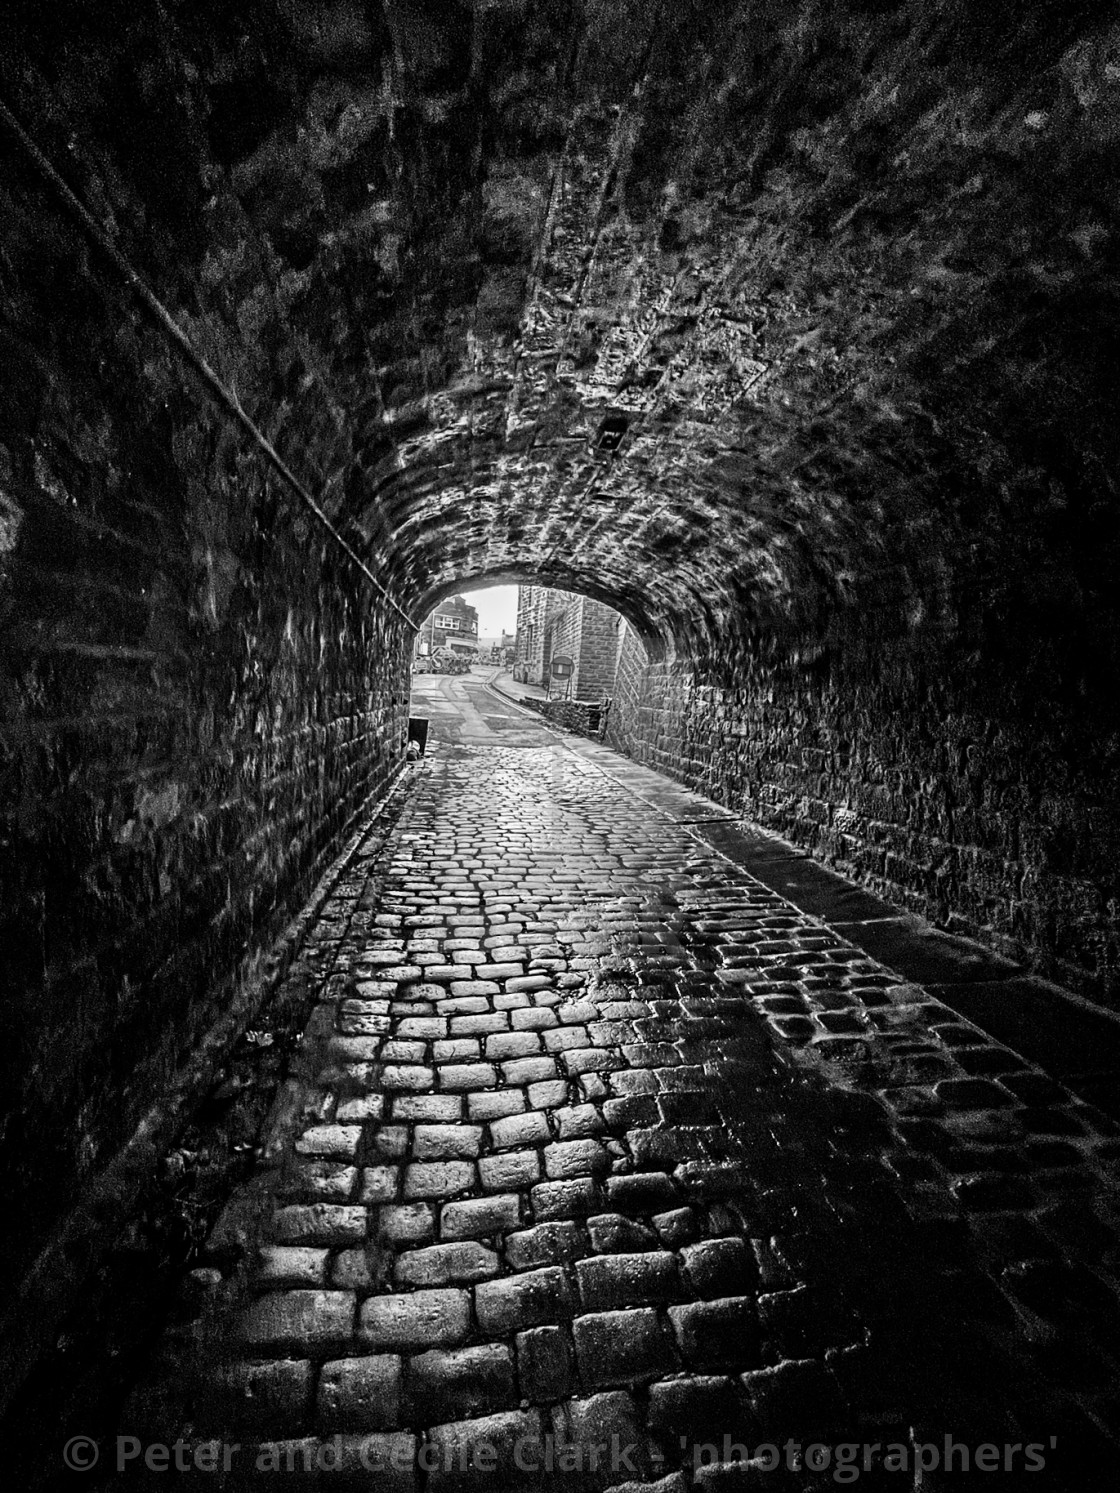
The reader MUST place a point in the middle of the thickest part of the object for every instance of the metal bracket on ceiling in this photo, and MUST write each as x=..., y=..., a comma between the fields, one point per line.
x=611, y=431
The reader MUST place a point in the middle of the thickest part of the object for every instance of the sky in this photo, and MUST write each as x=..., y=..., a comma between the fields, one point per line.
x=497, y=609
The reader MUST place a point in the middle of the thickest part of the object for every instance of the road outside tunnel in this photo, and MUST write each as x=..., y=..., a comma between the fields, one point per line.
x=464, y=711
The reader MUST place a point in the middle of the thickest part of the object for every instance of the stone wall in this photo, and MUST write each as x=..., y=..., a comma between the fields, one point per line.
x=598, y=648
x=200, y=693
x=551, y=622
x=927, y=772
x=532, y=611
x=579, y=716
x=564, y=616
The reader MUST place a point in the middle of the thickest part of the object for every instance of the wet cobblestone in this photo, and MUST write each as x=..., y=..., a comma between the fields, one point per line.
x=594, y=1130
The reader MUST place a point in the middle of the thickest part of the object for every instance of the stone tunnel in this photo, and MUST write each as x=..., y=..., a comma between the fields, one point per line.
x=788, y=331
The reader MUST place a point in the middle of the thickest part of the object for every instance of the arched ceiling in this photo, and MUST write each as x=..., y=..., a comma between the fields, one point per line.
x=738, y=315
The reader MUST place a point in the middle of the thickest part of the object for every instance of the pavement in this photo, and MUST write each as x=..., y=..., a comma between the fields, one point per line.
x=603, y=1163
x=513, y=689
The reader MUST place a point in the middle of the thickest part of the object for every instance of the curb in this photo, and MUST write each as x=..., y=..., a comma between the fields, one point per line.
x=533, y=715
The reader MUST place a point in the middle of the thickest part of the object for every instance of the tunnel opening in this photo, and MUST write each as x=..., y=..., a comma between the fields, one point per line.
x=541, y=649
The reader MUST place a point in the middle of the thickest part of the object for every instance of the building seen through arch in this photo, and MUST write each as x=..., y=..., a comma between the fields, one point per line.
x=562, y=624
x=452, y=625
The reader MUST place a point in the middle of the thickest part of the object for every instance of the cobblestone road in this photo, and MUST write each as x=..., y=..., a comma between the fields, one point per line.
x=593, y=1136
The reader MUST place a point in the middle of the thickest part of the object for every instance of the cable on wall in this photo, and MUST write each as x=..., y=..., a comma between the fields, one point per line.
x=224, y=396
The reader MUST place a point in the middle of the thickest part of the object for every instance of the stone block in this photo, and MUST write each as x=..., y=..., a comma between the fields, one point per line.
x=699, y=1408
x=474, y=987
x=498, y=1104
x=571, y=1199
x=480, y=1024
x=407, y=1223
x=438, y=1179
x=380, y=1184
x=643, y=1192
x=291, y=1265
x=608, y=1430
x=548, y=1095
x=354, y=1269
x=411, y=1323
x=528, y=1070
x=457, y=1050
x=446, y=1264
x=578, y=1121
x=299, y=1322
x=526, y=1300
x=506, y=1045
x=318, y=1181
x=340, y=1141
x=422, y=1028
x=446, y=1142
x=676, y=1227
x=613, y=1233
x=578, y=1060
x=476, y=1218
x=533, y=1019
x=720, y=1267
x=575, y=1158
x=387, y=1461
x=494, y=1451
x=360, y=1394
x=267, y=1397
x=622, y=1347
x=714, y=1335
x=413, y=1078
x=547, y=1244
x=519, y=1130
x=453, y=1384
x=456, y=1077
x=608, y=1282
x=544, y=1364
x=320, y=1223
x=428, y=1109
x=509, y=1169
